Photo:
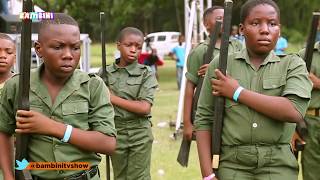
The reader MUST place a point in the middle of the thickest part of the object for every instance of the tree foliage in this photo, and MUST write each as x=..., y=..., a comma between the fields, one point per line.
x=165, y=15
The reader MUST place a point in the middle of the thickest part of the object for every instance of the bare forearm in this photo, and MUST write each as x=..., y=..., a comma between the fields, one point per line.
x=6, y=151
x=188, y=100
x=278, y=108
x=87, y=140
x=204, y=152
x=137, y=107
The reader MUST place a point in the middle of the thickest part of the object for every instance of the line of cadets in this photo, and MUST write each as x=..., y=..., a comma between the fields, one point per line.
x=258, y=124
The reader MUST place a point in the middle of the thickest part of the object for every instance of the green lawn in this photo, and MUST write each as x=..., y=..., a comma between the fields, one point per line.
x=165, y=149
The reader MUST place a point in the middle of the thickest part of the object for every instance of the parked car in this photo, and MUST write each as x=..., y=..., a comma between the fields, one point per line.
x=164, y=42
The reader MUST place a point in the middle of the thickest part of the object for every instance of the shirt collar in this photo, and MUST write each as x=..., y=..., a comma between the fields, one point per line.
x=74, y=81
x=243, y=55
x=131, y=68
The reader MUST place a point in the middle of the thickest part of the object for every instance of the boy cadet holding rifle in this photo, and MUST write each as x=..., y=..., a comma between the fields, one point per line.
x=196, y=69
x=132, y=87
x=311, y=155
x=7, y=59
x=71, y=118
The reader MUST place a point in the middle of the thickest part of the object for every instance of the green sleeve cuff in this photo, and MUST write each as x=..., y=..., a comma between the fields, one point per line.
x=192, y=78
x=198, y=127
x=107, y=130
x=301, y=104
x=6, y=128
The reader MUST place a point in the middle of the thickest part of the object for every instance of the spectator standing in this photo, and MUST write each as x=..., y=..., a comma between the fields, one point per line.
x=281, y=46
x=178, y=54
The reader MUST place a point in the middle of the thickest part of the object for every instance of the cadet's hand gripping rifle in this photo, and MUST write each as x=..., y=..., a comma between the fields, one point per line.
x=104, y=74
x=219, y=101
x=24, y=87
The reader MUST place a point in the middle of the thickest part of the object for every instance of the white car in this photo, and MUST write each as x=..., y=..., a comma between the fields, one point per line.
x=164, y=42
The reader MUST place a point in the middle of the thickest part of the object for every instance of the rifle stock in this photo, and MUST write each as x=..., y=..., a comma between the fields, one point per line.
x=24, y=87
x=183, y=156
x=104, y=74
x=219, y=101
x=311, y=40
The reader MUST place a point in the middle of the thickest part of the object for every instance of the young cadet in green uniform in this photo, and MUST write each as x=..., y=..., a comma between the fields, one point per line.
x=71, y=117
x=265, y=95
x=7, y=58
x=195, y=60
x=132, y=88
x=311, y=153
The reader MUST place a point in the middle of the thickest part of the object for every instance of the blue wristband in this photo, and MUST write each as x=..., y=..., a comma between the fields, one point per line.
x=67, y=134
x=237, y=93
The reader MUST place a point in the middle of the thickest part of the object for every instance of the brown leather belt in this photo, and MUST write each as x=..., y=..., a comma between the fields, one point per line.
x=313, y=112
x=79, y=176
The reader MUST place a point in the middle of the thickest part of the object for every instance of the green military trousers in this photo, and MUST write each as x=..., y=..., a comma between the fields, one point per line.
x=311, y=153
x=132, y=158
x=254, y=162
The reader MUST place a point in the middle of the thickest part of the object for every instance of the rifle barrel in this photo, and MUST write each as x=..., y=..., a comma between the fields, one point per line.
x=311, y=40
x=24, y=87
x=219, y=101
x=103, y=47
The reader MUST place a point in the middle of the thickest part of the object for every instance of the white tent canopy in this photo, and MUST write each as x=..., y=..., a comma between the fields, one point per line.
x=15, y=7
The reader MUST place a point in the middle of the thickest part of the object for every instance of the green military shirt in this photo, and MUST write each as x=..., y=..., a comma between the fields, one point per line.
x=83, y=102
x=196, y=57
x=133, y=82
x=315, y=69
x=277, y=76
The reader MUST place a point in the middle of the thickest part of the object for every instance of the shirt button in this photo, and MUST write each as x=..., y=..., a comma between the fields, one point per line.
x=254, y=125
x=60, y=172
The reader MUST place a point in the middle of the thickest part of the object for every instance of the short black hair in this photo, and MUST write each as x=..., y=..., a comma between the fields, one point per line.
x=129, y=30
x=59, y=18
x=6, y=37
x=250, y=4
x=209, y=11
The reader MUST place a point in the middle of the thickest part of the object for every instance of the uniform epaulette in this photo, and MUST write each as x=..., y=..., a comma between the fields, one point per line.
x=91, y=75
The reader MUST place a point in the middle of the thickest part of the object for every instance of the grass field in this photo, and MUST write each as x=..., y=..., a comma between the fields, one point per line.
x=165, y=149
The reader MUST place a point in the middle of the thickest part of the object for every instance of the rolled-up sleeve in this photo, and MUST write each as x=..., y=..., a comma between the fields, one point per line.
x=101, y=113
x=194, y=61
x=148, y=87
x=7, y=109
x=298, y=86
x=205, y=108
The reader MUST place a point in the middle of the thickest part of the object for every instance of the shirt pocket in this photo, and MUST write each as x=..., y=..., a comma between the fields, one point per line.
x=111, y=81
x=76, y=114
x=134, y=86
x=273, y=86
